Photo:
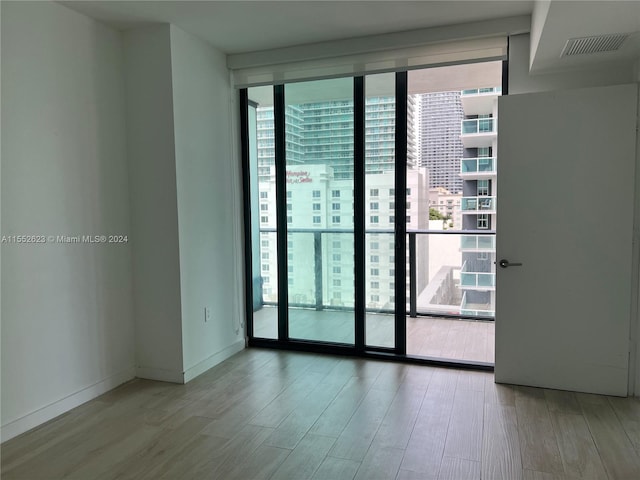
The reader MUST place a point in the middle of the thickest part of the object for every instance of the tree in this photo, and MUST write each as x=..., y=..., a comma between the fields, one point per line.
x=435, y=215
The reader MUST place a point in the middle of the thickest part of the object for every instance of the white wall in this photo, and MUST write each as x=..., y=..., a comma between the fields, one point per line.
x=109, y=133
x=154, y=225
x=67, y=327
x=208, y=203
x=186, y=203
x=520, y=81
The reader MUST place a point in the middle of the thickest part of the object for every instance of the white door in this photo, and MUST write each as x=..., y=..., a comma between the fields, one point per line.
x=565, y=211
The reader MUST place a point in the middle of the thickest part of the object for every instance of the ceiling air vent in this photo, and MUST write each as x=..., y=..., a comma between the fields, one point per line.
x=600, y=43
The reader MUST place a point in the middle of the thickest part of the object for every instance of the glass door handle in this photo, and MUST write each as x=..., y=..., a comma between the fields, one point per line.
x=504, y=263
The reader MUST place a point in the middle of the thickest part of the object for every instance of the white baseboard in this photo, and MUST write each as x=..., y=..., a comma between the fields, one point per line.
x=213, y=360
x=160, y=374
x=46, y=413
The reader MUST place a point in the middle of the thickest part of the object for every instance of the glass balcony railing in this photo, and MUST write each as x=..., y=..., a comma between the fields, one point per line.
x=482, y=91
x=478, y=125
x=485, y=165
x=471, y=279
x=478, y=280
x=478, y=204
x=475, y=309
x=478, y=243
x=442, y=266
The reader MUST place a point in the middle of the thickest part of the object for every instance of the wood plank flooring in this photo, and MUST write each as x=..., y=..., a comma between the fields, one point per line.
x=266, y=414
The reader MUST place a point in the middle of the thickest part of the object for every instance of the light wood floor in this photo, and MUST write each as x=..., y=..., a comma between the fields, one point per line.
x=279, y=415
x=445, y=338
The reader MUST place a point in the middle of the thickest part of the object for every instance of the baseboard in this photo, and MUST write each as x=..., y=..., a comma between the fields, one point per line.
x=44, y=414
x=160, y=374
x=213, y=360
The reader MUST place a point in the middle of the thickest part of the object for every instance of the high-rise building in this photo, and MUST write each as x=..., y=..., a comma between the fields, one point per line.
x=440, y=148
x=321, y=133
x=458, y=145
x=479, y=190
x=319, y=157
x=319, y=142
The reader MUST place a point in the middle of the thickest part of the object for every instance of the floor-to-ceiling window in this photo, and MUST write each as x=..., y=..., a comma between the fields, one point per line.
x=262, y=195
x=379, y=209
x=360, y=212
x=451, y=211
x=319, y=162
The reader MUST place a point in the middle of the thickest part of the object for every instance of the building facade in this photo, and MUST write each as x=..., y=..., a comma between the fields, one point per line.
x=478, y=170
x=447, y=204
x=319, y=178
x=459, y=277
x=438, y=123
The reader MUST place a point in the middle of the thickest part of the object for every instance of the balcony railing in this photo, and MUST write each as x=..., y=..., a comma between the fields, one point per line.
x=478, y=125
x=482, y=91
x=476, y=309
x=477, y=166
x=439, y=270
x=478, y=243
x=476, y=280
x=479, y=204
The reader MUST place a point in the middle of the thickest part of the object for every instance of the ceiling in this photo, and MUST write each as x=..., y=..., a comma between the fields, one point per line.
x=236, y=27
x=247, y=26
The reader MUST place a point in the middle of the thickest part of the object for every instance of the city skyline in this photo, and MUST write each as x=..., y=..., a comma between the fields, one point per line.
x=455, y=276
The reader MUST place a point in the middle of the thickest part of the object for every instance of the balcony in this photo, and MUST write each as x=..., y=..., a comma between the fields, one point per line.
x=473, y=280
x=479, y=101
x=478, y=243
x=478, y=168
x=440, y=283
x=477, y=205
x=431, y=337
x=478, y=132
x=439, y=263
x=475, y=309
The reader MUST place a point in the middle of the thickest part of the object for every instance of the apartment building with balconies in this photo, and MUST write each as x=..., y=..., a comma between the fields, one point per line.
x=478, y=169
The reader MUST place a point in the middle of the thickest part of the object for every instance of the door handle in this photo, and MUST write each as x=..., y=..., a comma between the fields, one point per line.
x=504, y=263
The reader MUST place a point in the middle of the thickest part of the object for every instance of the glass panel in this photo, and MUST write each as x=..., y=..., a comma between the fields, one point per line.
x=446, y=266
x=469, y=165
x=455, y=272
x=469, y=203
x=485, y=125
x=470, y=126
x=263, y=213
x=487, y=242
x=482, y=125
x=380, y=107
x=486, y=203
x=486, y=165
x=439, y=290
x=319, y=173
x=472, y=165
x=481, y=203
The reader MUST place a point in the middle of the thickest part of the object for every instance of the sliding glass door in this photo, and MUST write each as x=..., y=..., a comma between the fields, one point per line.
x=259, y=152
x=319, y=188
x=321, y=159
x=358, y=218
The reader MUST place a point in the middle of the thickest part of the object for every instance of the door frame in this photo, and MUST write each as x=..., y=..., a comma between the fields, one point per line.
x=359, y=347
